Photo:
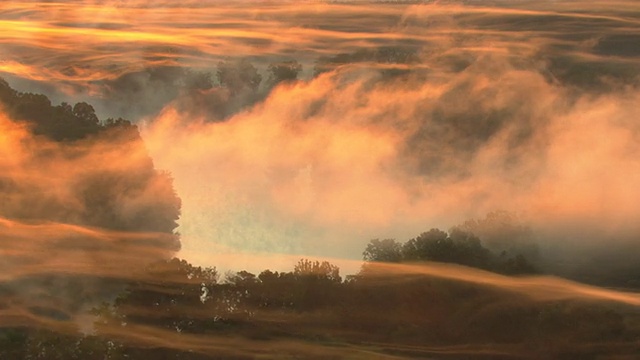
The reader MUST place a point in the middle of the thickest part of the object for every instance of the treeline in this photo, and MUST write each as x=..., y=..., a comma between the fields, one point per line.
x=62, y=122
x=237, y=84
x=457, y=246
x=310, y=305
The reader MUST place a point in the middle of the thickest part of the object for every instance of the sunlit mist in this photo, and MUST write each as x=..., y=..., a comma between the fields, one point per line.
x=328, y=179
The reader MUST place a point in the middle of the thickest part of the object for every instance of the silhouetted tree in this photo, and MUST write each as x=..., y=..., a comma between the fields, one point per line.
x=278, y=290
x=284, y=71
x=387, y=250
x=457, y=246
x=238, y=76
x=322, y=270
x=85, y=113
x=198, y=80
x=61, y=122
x=433, y=245
x=469, y=250
x=316, y=284
x=518, y=265
x=115, y=187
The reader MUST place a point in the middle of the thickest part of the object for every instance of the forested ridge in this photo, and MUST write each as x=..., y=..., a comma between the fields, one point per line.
x=166, y=308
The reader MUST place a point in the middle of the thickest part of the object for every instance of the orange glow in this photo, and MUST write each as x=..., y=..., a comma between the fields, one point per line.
x=403, y=117
x=83, y=41
x=334, y=161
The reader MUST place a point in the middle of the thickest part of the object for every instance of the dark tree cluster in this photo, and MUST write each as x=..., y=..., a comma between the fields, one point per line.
x=62, y=122
x=457, y=247
x=94, y=184
x=235, y=85
x=124, y=177
x=312, y=307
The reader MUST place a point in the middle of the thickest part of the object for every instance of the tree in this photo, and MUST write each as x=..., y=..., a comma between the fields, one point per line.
x=502, y=231
x=278, y=290
x=387, y=250
x=173, y=289
x=241, y=278
x=111, y=122
x=316, y=269
x=458, y=247
x=284, y=71
x=238, y=76
x=431, y=245
x=179, y=271
x=197, y=80
x=518, y=265
x=61, y=122
x=469, y=250
x=85, y=113
x=112, y=185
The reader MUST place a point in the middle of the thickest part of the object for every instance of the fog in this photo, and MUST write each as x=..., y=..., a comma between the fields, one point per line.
x=444, y=110
x=274, y=131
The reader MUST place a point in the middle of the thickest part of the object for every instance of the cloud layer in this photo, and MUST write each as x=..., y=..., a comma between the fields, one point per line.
x=348, y=155
x=409, y=116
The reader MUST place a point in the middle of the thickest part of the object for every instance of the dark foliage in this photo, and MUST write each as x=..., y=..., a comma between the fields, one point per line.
x=413, y=316
x=457, y=247
x=102, y=190
x=60, y=122
x=284, y=71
